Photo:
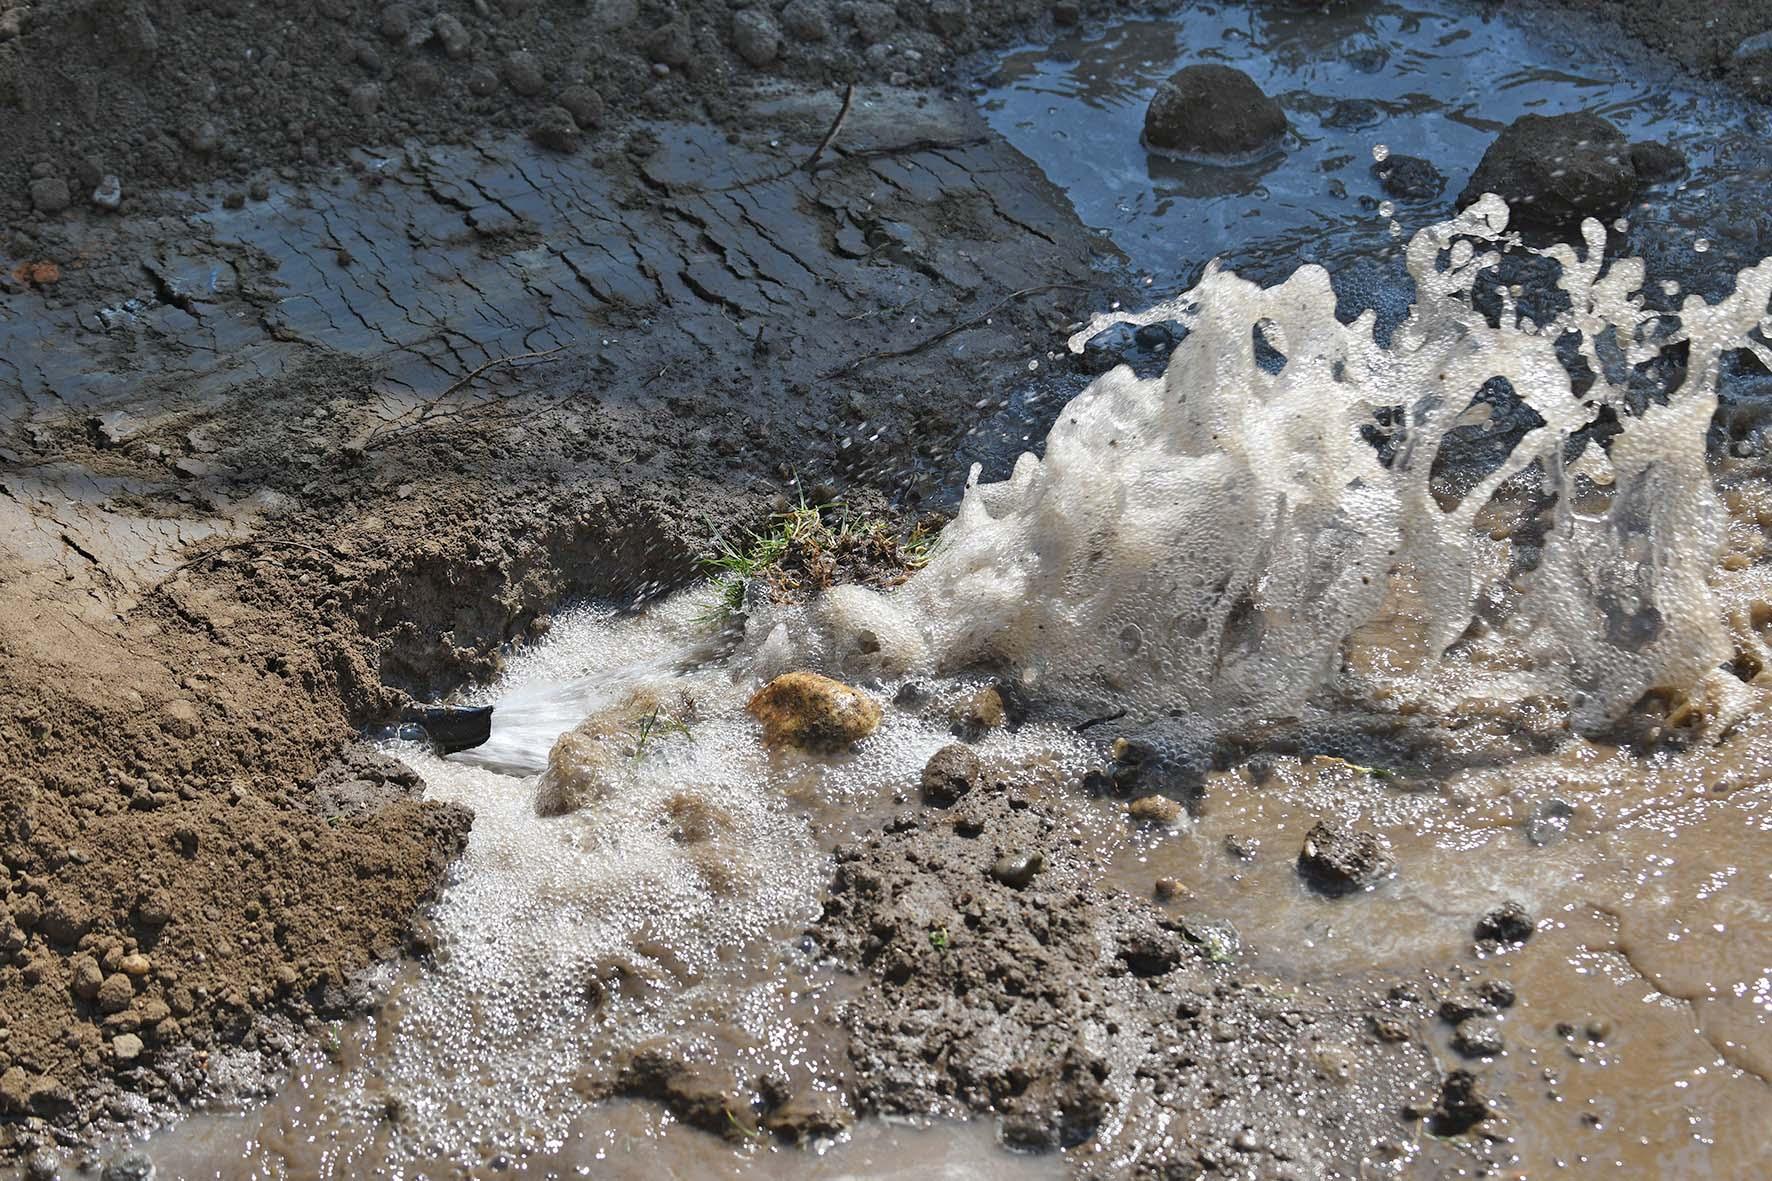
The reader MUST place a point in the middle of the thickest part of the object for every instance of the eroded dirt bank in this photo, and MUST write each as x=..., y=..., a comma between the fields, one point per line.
x=311, y=433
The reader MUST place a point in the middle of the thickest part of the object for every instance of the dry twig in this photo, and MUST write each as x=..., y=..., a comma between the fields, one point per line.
x=830, y=136
x=434, y=409
x=951, y=330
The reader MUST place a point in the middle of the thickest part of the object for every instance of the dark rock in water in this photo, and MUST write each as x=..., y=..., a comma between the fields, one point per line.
x=453, y=727
x=1106, y=348
x=131, y=1166
x=1555, y=170
x=1409, y=177
x=1461, y=1105
x=1339, y=859
x=1549, y=822
x=949, y=774
x=1507, y=923
x=1477, y=1037
x=1212, y=110
x=1463, y=1005
x=1655, y=162
x=556, y=130
x=1351, y=114
x=1498, y=994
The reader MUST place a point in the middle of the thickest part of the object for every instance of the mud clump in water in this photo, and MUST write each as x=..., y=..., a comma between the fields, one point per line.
x=1081, y=1017
x=1339, y=859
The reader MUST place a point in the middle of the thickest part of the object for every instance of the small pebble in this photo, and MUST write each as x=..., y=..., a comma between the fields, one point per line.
x=108, y=194
x=1017, y=870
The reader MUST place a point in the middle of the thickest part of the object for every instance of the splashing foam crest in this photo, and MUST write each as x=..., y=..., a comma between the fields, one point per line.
x=1210, y=539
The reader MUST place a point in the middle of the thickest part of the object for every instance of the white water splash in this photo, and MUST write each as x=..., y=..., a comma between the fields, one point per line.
x=1209, y=540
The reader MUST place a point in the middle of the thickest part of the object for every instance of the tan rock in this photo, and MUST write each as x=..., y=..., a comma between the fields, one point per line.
x=813, y=712
x=1155, y=810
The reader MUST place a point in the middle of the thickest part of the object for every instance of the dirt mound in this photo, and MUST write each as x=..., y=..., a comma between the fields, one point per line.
x=998, y=980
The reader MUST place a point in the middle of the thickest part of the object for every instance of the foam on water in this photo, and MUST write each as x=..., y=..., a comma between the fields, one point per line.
x=1208, y=540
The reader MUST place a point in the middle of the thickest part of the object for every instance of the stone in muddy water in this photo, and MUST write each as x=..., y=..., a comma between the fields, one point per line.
x=1018, y=870
x=1217, y=939
x=1170, y=890
x=813, y=712
x=755, y=36
x=130, y=1166
x=1462, y=1004
x=556, y=130
x=1409, y=177
x=453, y=727
x=1461, y=1105
x=1555, y=170
x=49, y=194
x=1507, y=923
x=979, y=713
x=1212, y=110
x=810, y=1115
x=1155, y=810
x=1478, y=1037
x=1339, y=859
x=1352, y=113
x=584, y=104
x=1655, y=162
x=1497, y=994
x=949, y=774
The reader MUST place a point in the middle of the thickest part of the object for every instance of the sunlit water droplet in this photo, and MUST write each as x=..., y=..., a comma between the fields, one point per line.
x=1702, y=245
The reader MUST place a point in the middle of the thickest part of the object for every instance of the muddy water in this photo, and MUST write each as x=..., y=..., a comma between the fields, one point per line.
x=674, y=907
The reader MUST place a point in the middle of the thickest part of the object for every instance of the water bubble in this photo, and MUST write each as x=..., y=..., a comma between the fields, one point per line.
x=1702, y=245
x=1670, y=287
x=1396, y=229
x=1622, y=225
x=1386, y=208
x=1381, y=153
x=1033, y=364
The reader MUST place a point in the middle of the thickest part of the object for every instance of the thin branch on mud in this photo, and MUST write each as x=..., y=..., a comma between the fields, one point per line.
x=434, y=409
x=830, y=136
x=908, y=147
x=1113, y=717
x=952, y=330
x=260, y=543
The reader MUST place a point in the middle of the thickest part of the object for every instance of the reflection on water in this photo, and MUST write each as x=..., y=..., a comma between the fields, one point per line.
x=1427, y=79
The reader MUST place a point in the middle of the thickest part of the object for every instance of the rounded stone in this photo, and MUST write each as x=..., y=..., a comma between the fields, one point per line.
x=755, y=36
x=1477, y=1037
x=365, y=98
x=949, y=774
x=807, y=20
x=555, y=130
x=523, y=74
x=1555, y=170
x=813, y=712
x=1212, y=110
x=584, y=104
x=49, y=194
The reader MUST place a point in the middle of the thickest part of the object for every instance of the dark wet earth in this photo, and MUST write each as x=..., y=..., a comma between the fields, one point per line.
x=1628, y=1053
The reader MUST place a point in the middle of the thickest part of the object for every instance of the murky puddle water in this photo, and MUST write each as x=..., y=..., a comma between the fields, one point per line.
x=1642, y=1037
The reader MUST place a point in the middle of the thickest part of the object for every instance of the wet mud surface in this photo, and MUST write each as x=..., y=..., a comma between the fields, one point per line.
x=313, y=427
